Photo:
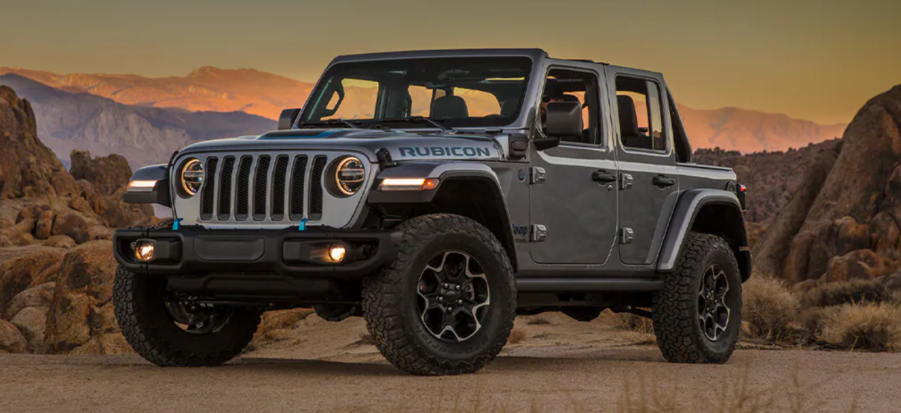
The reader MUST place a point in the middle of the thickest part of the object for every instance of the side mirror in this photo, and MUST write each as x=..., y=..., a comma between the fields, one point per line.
x=564, y=119
x=287, y=118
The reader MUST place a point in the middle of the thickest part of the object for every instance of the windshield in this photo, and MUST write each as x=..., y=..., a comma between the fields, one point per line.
x=447, y=92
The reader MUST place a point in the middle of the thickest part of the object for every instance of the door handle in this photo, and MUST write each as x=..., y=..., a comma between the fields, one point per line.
x=662, y=181
x=603, y=176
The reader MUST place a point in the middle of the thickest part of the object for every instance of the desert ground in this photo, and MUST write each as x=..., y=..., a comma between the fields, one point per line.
x=557, y=365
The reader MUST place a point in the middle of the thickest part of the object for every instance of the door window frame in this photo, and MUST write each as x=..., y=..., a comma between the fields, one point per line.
x=664, y=107
x=602, y=141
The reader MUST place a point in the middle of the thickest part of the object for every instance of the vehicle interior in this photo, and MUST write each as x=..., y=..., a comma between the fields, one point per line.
x=458, y=92
x=574, y=86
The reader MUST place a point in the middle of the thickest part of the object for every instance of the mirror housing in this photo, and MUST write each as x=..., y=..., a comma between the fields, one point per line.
x=564, y=119
x=545, y=143
x=287, y=118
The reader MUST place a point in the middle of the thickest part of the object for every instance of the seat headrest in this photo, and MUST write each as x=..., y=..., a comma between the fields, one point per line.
x=570, y=98
x=508, y=108
x=628, y=120
x=449, y=107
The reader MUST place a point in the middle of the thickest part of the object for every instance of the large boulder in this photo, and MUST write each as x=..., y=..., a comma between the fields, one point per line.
x=11, y=339
x=82, y=311
x=39, y=297
x=855, y=207
x=18, y=274
x=857, y=265
x=72, y=225
x=32, y=322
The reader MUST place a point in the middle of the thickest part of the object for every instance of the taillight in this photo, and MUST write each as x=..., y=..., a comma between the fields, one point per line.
x=742, y=193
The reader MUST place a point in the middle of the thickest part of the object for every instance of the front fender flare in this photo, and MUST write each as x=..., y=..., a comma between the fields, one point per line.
x=684, y=216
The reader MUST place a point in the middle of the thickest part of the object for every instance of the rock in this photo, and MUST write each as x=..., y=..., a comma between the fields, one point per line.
x=81, y=308
x=44, y=225
x=32, y=322
x=29, y=168
x=11, y=339
x=18, y=274
x=39, y=297
x=60, y=241
x=107, y=174
x=860, y=264
x=67, y=323
x=863, y=183
x=72, y=225
x=891, y=282
x=771, y=252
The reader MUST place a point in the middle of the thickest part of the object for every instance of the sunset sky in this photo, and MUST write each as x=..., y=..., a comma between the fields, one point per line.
x=818, y=60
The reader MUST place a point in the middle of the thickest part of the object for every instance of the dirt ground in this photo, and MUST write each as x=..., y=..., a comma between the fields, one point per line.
x=558, y=365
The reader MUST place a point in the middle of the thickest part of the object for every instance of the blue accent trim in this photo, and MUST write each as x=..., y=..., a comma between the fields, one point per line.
x=303, y=224
x=175, y=224
x=300, y=135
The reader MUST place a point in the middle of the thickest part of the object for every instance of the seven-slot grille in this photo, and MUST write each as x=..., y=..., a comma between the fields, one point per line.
x=260, y=188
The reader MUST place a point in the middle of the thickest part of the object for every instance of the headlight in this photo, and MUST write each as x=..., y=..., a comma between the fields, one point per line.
x=349, y=175
x=190, y=175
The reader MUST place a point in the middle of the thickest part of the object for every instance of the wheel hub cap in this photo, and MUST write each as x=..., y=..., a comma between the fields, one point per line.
x=713, y=311
x=453, y=296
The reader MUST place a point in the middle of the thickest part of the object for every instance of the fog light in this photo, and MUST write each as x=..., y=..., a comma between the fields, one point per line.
x=336, y=253
x=144, y=250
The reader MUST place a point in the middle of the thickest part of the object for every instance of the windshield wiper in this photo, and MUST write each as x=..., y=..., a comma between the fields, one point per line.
x=421, y=119
x=330, y=122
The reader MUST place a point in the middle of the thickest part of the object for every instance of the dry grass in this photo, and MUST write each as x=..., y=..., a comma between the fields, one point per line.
x=538, y=321
x=864, y=326
x=366, y=339
x=634, y=323
x=274, y=323
x=854, y=291
x=516, y=336
x=769, y=308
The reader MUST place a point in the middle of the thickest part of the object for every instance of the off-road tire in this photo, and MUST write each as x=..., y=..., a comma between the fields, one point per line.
x=389, y=299
x=146, y=325
x=675, y=308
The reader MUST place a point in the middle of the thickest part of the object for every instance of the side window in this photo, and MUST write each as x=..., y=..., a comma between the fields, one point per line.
x=360, y=97
x=573, y=86
x=640, y=114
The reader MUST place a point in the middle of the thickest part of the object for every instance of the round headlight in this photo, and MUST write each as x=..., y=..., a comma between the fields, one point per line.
x=191, y=177
x=349, y=175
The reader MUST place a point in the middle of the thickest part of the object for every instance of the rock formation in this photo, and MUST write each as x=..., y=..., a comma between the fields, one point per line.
x=57, y=268
x=844, y=222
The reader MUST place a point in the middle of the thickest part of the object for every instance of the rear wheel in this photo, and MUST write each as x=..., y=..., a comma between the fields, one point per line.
x=697, y=316
x=447, y=303
x=169, y=332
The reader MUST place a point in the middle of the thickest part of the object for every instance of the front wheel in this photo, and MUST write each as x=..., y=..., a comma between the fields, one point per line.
x=173, y=333
x=697, y=316
x=447, y=303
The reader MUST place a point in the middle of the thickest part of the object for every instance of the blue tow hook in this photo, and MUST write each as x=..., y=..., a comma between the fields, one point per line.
x=303, y=224
x=175, y=224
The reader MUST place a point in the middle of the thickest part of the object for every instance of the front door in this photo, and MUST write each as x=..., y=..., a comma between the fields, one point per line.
x=648, y=180
x=573, y=191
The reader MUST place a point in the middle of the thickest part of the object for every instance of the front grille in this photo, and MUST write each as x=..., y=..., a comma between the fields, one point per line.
x=264, y=188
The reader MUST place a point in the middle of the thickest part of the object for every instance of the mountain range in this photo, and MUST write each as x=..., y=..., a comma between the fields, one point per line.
x=210, y=89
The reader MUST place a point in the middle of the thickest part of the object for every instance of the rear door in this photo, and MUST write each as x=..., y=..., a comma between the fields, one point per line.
x=648, y=180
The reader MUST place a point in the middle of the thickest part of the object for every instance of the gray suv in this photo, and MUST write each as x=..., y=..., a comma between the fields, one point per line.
x=438, y=194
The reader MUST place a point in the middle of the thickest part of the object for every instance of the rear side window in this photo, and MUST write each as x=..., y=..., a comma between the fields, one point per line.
x=638, y=103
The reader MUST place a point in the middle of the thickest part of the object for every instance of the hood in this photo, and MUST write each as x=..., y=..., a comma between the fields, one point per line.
x=401, y=145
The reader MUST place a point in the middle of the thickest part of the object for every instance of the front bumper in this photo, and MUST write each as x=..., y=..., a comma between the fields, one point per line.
x=288, y=253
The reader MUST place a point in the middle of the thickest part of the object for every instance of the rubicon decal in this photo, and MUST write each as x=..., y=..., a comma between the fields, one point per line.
x=433, y=151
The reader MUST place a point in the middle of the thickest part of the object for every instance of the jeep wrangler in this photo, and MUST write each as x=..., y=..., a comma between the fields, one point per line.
x=438, y=194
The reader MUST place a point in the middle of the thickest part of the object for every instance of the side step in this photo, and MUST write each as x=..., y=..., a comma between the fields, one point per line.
x=588, y=284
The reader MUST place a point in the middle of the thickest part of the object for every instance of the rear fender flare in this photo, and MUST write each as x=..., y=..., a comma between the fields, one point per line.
x=684, y=219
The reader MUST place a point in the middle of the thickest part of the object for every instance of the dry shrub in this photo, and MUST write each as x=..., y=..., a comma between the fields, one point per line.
x=854, y=291
x=538, y=321
x=274, y=321
x=632, y=322
x=769, y=308
x=866, y=326
x=516, y=336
